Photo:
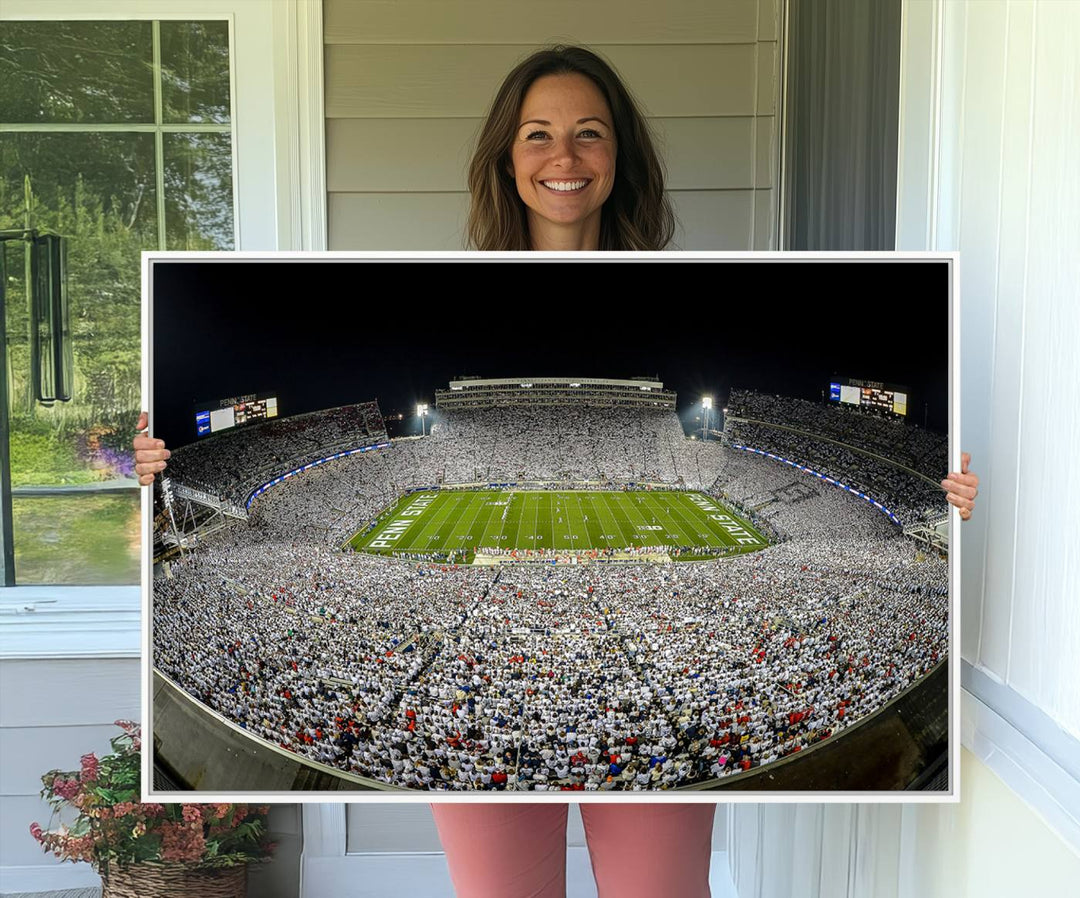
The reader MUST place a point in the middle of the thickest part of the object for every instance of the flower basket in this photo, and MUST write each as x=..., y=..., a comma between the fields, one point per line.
x=149, y=850
x=174, y=881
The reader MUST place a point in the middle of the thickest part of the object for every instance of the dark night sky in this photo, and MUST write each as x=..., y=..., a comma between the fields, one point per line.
x=325, y=333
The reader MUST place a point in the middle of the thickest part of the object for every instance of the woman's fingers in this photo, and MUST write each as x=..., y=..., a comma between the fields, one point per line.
x=964, y=485
x=150, y=453
x=961, y=487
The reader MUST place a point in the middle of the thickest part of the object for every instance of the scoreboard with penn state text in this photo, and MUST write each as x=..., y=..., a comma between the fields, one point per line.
x=234, y=411
x=888, y=399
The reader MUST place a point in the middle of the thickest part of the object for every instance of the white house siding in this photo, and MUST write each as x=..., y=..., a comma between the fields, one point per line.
x=1008, y=198
x=408, y=83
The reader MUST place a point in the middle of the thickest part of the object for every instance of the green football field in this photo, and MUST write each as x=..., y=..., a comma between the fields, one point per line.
x=575, y=521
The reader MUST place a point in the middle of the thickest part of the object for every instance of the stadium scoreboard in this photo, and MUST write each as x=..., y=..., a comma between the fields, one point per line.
x=889, y=399
x=233, y=411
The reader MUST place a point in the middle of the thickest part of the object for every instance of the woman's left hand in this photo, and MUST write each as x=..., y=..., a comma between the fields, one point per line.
x=962, y=488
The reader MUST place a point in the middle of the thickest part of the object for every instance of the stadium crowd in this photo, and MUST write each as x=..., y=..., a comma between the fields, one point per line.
x=628, y=677
x=224, y=464
x=906, y=443
x=909, y=497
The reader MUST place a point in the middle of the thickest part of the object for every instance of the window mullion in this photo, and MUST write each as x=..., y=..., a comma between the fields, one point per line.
x=99, y=127
x=159, y=137
x=7, y=540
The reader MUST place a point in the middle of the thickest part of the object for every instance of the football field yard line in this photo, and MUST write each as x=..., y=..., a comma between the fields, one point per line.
x=570, y=504
x=560, y=530
x=462, y=523
x=663, y=520
x=653, y=537
x=466, y=538
x=520, y=520
x=536, y=540
x=592, y=527
x=621, y=538
x=509, y=514
x=622, y=519
x=679, y=507
x=579, y=533
x=490, y=536
x=545, y=500
x=689, y=531
x=608, y=528
x=513, y=519
x=575, y=521
x=687, y=526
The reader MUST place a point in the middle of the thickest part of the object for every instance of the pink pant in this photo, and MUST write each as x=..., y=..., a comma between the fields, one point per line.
x=519, y=850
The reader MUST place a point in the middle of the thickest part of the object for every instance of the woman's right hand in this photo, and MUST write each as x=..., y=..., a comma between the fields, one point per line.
x=150, y=454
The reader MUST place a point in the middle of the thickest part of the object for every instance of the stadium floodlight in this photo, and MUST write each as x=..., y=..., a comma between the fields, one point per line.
x=421, y=413
x=706, y=408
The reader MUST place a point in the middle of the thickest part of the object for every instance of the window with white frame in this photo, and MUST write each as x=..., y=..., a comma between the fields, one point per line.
x=118, y=137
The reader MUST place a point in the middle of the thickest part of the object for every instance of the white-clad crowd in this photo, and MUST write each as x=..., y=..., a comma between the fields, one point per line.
x=232, y=463
x=586, y=443
x=909, y=497
x=895, y=438
x=628, y=676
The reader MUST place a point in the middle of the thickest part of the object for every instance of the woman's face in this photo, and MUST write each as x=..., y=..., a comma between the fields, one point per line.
x=563, y=155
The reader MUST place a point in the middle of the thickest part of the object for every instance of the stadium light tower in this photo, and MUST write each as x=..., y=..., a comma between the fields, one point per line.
x=421, y=413
x=706, y=415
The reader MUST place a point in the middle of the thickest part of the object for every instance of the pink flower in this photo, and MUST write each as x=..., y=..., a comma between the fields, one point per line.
x=36, y=832
x=89, y=768
x=192, y=813
x=181, y=842
x=65, y=788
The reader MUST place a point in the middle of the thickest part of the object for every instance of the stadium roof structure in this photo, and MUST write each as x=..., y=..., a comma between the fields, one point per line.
x=475, y=393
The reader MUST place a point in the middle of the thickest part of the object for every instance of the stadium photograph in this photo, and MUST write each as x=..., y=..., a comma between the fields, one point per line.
x=418, y=536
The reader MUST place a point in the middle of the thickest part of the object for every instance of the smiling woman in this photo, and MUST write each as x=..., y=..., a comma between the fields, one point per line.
x=565, y=161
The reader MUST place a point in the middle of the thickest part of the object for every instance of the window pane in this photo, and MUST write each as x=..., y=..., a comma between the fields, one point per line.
x=198, y=192
x=76, y=72
x=98, y=191
x=195, y=72
x=77, y=540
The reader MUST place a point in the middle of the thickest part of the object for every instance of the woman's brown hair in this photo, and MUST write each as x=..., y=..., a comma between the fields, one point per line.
x=636, y=216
